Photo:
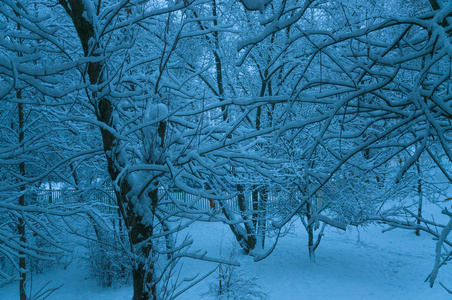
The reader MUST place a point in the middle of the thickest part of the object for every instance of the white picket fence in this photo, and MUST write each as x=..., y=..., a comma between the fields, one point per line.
x=170, y=199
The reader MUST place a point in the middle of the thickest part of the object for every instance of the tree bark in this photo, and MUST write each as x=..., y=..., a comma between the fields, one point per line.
x=139, y=233
x=262, y=222
x=419, y=192
x=21, y=226
x=310, y=230
x=21, y=222
x=218, y=65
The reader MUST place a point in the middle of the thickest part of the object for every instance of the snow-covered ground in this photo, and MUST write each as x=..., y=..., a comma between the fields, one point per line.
x=356, y=264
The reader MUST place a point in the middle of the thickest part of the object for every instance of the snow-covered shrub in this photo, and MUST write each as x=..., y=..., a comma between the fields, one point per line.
x=283, y=201
x=7, y=271
x=234, y=284
x=108, y=262
x=354, y=196
x=51, y=256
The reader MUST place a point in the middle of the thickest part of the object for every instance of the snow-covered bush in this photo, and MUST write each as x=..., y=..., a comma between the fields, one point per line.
x=234, y=284
x=51, y=257
x=108, y=262
x=6, y=271
x=354, y=196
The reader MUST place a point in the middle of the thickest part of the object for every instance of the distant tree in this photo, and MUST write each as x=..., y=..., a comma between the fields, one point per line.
x=374, y=82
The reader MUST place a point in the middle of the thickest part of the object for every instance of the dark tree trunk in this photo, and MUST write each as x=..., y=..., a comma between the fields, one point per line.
x=245, y=237
x=21, y=225
x=262, y=222
x=419, y=192
x=218, y=66
x=255, y=199
x=21, y=222
x=249, y=228
x=139, y=233
x=310, y=231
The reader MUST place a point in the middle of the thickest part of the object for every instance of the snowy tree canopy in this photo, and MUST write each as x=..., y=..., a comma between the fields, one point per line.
x=150, y=116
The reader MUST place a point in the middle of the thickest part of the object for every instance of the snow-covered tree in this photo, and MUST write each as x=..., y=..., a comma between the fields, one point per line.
x=307, y=100
x=123, y=69
x=374, y=82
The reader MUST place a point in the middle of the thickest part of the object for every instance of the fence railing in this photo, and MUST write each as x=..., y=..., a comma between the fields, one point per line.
x=66, y=196
x=59, y=196
x=170, y=198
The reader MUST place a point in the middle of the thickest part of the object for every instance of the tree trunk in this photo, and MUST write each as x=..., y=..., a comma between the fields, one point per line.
x=21, y=226
x=250, y=230
x=245, y=237
x=310, y=231
x=255, y=199
x=262, y=222
x=419, y=192
x=139, y=233
x=218, y=66
x=140, y=237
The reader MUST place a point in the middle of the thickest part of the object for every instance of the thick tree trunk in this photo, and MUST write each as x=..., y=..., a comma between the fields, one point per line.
x=140, y=237
x=139, y=233
x=142, y=273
